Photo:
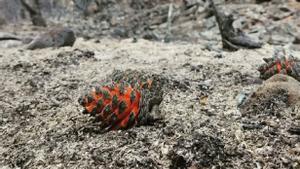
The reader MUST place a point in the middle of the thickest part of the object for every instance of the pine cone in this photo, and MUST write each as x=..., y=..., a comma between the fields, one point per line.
x=126, y=102
x=280, y=64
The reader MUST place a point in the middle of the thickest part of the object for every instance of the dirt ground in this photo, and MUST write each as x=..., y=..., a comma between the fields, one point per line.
x=41, y=125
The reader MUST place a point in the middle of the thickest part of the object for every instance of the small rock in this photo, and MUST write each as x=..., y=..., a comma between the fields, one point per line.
x=241, y=98
x=267, y=150
x=120, y=32
x=58, y=37
x=218, y=55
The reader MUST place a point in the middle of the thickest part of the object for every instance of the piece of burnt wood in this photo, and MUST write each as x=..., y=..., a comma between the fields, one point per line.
x=35, y=14
x=262, y=1
x=9, y=38
x=232, y=38
x=294, y=130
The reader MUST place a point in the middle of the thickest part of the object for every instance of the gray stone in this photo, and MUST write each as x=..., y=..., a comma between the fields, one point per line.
x=58, y=37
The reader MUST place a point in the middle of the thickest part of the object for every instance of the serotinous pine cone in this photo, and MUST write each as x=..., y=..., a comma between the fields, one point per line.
x=126, y=101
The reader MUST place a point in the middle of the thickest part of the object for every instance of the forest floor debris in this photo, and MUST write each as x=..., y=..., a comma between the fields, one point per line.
x=41, y=124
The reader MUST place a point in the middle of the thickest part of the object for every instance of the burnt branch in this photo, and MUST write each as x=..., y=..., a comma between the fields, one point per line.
x=35, y=14
x=9, y=38
x=232, y=38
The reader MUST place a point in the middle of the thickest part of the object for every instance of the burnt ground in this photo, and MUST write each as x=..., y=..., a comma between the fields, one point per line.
x=41, y=125
x=203, y=125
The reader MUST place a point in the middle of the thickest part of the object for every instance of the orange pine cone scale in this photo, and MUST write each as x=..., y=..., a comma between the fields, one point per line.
x=117, y=106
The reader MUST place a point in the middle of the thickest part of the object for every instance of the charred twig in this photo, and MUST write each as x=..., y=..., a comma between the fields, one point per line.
x=189, y=13
x=232, y=38
x=35, y=14
x=82, y=6
x=9, y=38
x=24, y=40
x=294, y=130
x=251, y=126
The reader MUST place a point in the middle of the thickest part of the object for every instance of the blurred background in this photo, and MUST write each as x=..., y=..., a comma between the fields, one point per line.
x=275, y=22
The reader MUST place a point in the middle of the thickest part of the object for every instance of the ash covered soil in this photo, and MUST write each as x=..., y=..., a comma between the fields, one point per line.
x=41, y=124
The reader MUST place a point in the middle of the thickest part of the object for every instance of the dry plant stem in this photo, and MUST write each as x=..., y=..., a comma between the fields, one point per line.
x=170, y=18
